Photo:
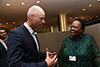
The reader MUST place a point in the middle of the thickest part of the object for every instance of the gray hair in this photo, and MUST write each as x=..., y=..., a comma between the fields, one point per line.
x=33, y=10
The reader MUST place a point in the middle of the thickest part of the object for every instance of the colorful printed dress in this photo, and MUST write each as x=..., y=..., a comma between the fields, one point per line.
x=86, y=52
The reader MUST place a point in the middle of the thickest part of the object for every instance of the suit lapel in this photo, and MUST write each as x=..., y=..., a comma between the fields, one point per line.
x=29, y=35
x=27, y=32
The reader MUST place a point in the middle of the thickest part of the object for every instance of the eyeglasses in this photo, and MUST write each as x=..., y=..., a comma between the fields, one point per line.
x=40, y=18
x=2, y=32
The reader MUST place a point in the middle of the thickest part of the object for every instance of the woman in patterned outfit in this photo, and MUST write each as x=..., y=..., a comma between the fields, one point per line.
x=79, y=49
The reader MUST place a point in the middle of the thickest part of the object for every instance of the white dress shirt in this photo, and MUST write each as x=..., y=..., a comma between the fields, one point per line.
x=33, y=35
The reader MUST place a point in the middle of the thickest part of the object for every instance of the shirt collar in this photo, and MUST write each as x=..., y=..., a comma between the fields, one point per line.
x=29, y=28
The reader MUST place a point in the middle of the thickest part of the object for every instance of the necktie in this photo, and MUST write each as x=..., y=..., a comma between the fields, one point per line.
x=35, y=41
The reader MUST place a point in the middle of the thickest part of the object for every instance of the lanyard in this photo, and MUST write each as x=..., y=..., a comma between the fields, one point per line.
x=77, y=46
x=4, y=44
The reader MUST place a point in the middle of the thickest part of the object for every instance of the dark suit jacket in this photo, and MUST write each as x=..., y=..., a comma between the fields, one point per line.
x=3, y=56
x=22, y=50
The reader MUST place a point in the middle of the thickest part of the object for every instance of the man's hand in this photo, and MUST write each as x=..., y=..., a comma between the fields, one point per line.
x=50, y=58
x=51, y=55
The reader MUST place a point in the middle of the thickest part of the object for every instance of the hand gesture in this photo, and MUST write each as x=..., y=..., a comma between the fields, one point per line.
x=50, y=58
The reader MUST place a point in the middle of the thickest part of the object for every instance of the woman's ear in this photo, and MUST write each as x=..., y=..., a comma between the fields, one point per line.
x=82, y=30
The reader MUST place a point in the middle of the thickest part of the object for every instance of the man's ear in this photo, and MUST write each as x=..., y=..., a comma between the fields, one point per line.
x=32, y=16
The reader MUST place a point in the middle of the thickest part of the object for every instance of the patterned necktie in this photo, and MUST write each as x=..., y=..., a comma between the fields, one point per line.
x=35, y=41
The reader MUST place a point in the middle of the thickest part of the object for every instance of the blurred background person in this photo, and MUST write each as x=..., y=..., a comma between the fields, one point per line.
x=3, y=48
x=79, y=49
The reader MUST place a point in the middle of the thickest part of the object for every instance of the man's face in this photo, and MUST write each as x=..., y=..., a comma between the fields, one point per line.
x=38, y=20
x=75, y=29
x=2, y=34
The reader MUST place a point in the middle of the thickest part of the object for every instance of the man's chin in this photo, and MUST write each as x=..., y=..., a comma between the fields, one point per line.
x=38, y=27
x=2, y=38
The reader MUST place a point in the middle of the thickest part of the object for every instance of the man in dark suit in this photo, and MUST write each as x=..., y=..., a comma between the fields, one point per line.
x=3, y=48
x=23, y=46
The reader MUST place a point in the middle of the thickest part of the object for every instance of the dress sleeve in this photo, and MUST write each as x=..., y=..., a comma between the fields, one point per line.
x=60, y=58
x=96, y=52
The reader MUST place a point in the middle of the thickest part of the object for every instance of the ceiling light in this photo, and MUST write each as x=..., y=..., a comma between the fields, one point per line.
x=96, y=16
x=70, y=18
x=83, y=9
x=82, y=17
x=7, y=23
x=87, y=19
x=13, y=22
x=90, y=18
x=76, y=17
x=23, y=3
x=8, y=4
x=98, y=0
x=90, y=5
x=38, y=1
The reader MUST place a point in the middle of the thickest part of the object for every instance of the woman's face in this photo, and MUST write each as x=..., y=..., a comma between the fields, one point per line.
x=76, y=29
